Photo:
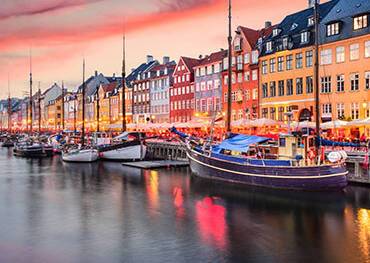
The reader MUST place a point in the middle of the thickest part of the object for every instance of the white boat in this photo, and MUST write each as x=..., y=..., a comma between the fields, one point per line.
x=80, y=155
x=125, y=149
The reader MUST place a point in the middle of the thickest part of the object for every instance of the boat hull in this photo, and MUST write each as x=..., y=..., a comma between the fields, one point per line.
x=315, y=178
x=81, y=156
x=126, y=153
x=29, y=152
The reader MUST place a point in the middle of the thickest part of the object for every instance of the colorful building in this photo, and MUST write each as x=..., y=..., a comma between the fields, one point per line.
x=245, y=72
x=182, y=92
x=141, y=91
x=286, y=66
x=345, y=61
x=160, y=83
x=207, y=82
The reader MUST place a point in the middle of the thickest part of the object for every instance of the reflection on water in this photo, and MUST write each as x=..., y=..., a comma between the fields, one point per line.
x=60, y=212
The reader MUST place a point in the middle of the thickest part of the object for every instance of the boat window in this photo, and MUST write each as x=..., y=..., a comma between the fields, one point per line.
x=282, y=142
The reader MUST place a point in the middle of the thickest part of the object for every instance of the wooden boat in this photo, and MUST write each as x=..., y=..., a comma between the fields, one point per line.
x=80, y=155
x=29, y=150
x=128, y=147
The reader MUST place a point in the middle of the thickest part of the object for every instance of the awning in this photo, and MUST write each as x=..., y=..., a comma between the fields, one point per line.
x=239, y=143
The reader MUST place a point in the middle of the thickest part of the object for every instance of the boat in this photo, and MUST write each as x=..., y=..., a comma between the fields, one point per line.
x=7, y=143
x=295, y=162
x=283, y=166
x=81, y=153
x=29, y=150
x=129, y=146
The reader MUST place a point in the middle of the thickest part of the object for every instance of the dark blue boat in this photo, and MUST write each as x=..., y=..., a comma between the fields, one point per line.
x=286, y=173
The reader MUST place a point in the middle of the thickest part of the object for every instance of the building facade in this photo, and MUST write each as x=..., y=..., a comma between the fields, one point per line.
x=207, y=82
x=160, y=83
x=182, y=102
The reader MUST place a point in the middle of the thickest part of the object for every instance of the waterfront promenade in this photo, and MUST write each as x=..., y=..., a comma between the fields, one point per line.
x=105, y=212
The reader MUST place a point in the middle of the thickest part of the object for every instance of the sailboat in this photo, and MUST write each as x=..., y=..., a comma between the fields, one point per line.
x=8, y=142
x=81, y=153
x=129, y=146
x=251, y=160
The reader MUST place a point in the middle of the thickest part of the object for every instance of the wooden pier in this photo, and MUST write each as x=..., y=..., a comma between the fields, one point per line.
x=357, y=172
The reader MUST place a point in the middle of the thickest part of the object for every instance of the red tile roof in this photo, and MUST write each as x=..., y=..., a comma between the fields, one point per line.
x=214, y=57
x=109, y=87
x=252, y=35
x=190, y=62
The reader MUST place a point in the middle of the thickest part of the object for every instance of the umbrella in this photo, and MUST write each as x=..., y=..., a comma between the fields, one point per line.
x=364, y=122
x=334, y=124
x=241, y=123
x=263, y=122
x=303, y=124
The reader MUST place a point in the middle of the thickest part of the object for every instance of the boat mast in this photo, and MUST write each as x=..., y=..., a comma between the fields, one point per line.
x=83, y=104
x=39, y=108
x=9, y=108
x=316, y=74
x=229, y=39
x=30, y=130
x=123, y=82
x=63, y=105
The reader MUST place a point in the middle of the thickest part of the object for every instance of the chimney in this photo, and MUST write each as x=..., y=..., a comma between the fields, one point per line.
x=267, y=24
x=311, y=3
x=96, y=73
x=200, y=56
x=149, y=58
x=133, y=69
x=114, y=75
x=166, y=60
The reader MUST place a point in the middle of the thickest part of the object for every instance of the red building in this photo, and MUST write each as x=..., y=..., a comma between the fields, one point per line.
x=182, y=91
x=245, y=73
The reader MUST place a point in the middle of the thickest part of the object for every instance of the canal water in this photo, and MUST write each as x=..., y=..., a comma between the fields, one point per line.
x=52, y=211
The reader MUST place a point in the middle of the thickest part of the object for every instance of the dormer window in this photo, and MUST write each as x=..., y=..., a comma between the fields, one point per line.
x=360, y=22
x=304, y=37
x=276, y=32
x=285, y=42
x=165, y=71
x=237, y=44
x=269, y=46
x=332, y=29
x=158, y=73
x=311, y=21
x=294, y=26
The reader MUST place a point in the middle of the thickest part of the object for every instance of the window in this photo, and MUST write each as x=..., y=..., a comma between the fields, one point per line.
x=289, y=62
x=340, y=110
x=281, y=88
x=272, y=89
x=309, y=58
x=254, y=56
x=311, y=21
x=299, y=86
x=355, y=110
x=304, y=37
x=254, y=74
x=272, y=113
x=280, y=63
x=269, y=47
x=326, y=57
x=359, y=22
x=298, y=60
x=246, y=58
x=285, y=43
x=255, y=94
x=367, y=80
x=281, y=114
x=326, y=108
x=332, y=29
x=340, y=83
x=326, y=84
x=354, y=51
x=239, y=61
x=309, y=84
x=247, y=76
x=264, y=90
x=340, y=56
x=272, y=65
x=367, y=49
x=354, y=81
x=264, y=112
x=289, y=87
x=264, y=67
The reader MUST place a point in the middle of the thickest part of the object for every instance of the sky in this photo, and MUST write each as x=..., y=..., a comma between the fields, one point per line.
x=60, y=33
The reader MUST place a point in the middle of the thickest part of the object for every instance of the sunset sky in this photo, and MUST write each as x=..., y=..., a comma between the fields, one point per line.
x=62, y=32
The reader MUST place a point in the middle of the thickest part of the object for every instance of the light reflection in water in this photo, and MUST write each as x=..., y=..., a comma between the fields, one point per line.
x=363, y=218
x=178, y=202
x=151, y=183
x=211, y=221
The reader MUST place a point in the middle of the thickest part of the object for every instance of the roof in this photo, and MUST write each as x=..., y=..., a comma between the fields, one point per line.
x=293, y=24
x=190, y=63
x=213, y=58
x=109, y=87
x=344, y=11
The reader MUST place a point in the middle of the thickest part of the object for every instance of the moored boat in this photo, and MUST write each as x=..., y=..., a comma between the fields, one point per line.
x=127, y=147
x=81, y=155
x=29, y=150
